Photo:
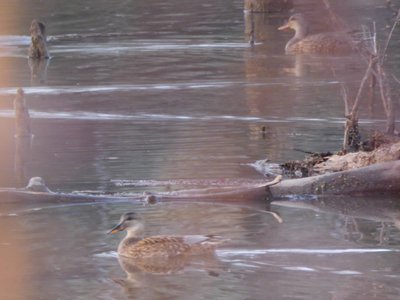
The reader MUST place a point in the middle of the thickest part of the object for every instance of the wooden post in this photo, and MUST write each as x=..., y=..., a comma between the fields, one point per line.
x=22, y=119
x=267, y=5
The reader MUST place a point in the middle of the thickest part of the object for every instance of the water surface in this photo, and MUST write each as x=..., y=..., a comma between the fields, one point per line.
x=168, y=97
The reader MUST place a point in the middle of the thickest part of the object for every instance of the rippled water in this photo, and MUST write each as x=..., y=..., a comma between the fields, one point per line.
x=169, y=96
x=64, y=252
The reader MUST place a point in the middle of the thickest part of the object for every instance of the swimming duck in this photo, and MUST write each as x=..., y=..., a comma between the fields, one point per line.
x=38, y=46
x=162, y=246
x=321, y=43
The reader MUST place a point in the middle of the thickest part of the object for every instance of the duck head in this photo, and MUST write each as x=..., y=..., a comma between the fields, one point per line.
x=298, y=23
x=131, y=222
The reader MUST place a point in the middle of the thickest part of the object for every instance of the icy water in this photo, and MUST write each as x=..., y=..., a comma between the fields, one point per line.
x=169, y=96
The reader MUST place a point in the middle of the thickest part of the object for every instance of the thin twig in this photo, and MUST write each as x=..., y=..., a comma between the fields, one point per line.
x=336, y=21
x=382, y=88
x=345, y=98
x=383, y=54
x=345, y=136
x=395, y=78
x=390, y=123
x=374, y=43
x=360, y=89
x=344, y=93
x=275, y=215
x=276, y=180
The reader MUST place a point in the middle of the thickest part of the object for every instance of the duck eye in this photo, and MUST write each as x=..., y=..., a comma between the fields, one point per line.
x=129, y=217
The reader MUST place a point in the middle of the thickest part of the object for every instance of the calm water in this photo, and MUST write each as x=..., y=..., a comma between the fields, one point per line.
x=167, y=96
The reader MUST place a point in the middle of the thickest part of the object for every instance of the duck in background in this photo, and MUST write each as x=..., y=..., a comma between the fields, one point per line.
x=38, y=46
x=334, y=43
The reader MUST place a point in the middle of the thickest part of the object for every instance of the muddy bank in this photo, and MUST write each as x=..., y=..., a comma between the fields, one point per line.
x=359, y=159
x=381, y=148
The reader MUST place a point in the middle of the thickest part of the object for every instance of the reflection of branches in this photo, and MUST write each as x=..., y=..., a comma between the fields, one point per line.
x=252, y=30
x=382, y=234
x=352, y=229
x=23, y=136
x=354, y=232
x=22, y=158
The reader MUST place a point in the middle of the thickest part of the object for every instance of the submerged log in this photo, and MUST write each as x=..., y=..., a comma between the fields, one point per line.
x=37, y=191
x=377, y=178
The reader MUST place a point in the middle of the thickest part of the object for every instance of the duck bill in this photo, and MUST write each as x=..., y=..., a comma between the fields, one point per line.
x=284, y=27
x=117, y=228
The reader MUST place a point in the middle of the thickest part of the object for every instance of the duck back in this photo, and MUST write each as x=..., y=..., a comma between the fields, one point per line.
x=168, y=246
x=323, y=43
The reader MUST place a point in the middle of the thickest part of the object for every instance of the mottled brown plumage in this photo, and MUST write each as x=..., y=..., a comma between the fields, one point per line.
x=321, y=43
x=162, y=246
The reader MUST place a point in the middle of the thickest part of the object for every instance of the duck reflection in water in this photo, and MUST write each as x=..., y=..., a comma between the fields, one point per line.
x=23, y=137
x=162, y=254
x=38, y=68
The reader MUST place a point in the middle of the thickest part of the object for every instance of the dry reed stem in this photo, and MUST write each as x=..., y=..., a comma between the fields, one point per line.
x=383, y=54
x=354, y=110
x=337, y=22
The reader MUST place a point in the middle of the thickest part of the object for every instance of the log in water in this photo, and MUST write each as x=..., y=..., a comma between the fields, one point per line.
x=377, y=178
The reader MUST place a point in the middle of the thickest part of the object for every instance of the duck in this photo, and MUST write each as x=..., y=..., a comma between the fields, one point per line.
x=320, y=43
x=38, y=45
x=135, y=246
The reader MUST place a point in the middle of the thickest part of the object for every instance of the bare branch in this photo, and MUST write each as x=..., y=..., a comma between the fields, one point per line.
x=382, y=89
x=345, y=99
x=362, y=84
x=395, y=78
x=337, y=22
